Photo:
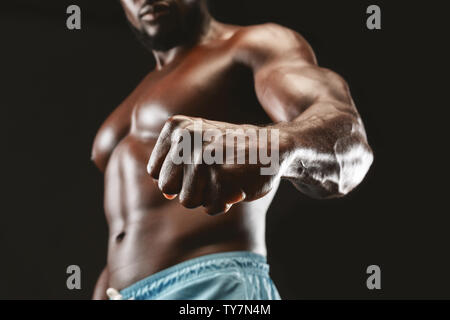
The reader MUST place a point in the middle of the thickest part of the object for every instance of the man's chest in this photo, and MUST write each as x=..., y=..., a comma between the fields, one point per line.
x=211, y=90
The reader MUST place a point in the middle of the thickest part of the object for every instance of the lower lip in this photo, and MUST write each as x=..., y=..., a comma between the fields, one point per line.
x=150, y=17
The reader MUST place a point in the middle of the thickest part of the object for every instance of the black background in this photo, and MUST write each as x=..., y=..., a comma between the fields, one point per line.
x=57, y=86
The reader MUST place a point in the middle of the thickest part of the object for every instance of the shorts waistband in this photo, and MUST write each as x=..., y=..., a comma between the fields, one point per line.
x=244, y=261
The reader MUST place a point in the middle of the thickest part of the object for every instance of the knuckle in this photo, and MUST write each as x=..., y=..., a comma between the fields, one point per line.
x=172, y=120
x=175, y=121
x=170, y=125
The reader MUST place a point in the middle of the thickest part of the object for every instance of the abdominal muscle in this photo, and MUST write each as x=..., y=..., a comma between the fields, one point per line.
x=149, y=233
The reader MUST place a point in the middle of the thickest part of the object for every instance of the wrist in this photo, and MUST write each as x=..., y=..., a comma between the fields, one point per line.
x=287, y=147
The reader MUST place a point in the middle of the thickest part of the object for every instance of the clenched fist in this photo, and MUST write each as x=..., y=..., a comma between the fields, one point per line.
x=215, y=164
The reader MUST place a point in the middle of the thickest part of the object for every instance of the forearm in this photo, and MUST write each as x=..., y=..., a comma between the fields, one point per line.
x=101, y=286
x=326, y=153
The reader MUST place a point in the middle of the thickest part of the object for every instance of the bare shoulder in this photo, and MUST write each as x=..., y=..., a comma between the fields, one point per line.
x=259, y=43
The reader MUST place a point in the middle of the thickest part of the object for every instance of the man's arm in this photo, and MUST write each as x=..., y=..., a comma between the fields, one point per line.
x=327, y=154
x=101, y=286
x=322, y=143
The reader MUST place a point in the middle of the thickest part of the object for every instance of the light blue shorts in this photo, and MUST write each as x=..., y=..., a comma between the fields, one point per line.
x=236, y=275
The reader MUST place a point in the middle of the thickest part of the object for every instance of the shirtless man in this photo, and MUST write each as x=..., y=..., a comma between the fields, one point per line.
x=194, y=231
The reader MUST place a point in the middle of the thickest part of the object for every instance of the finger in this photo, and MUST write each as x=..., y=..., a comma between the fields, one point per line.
x=224, y=202
x=171, y=175
x=162, y=147
x=214, y=203
x=194, y=183
x=258, y=189
x=223, y=193
x=236, y=197
x=217, y=208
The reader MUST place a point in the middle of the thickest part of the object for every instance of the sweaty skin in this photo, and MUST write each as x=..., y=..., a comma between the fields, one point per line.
x=227, y=77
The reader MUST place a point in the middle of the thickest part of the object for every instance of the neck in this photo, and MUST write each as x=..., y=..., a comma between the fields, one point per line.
x=199, y=32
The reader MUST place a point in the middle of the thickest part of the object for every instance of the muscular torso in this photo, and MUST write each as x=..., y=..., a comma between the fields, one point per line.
x=148, y=232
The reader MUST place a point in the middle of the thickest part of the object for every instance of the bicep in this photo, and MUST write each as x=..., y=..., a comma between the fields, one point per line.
x=288, y=80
